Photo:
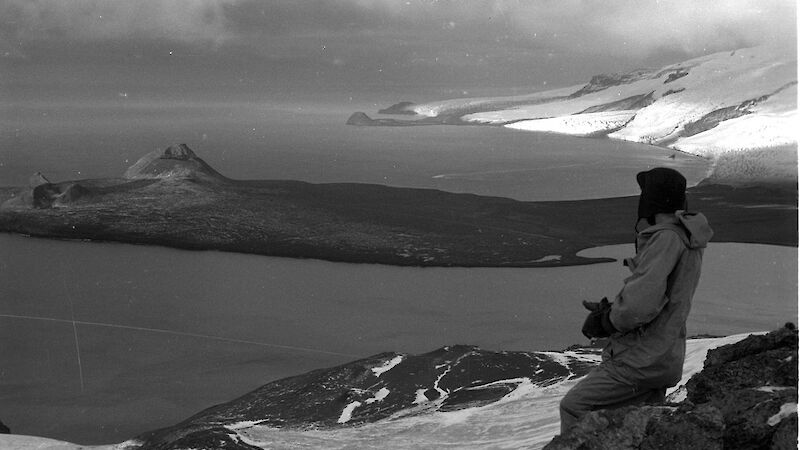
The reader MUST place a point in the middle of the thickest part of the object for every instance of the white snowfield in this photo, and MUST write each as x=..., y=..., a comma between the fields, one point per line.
x=761, y=81
x=525, y=418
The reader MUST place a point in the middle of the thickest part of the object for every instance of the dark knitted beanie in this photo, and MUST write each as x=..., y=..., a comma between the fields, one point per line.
x=663, y=191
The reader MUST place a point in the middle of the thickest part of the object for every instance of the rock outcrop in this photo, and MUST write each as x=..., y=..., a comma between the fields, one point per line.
x=399, y=108
x=744, y=398
x=605, y=81
x=359, y=118
x=626, y=104
x=175, y=162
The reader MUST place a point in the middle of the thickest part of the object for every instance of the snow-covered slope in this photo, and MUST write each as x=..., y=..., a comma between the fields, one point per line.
x=731, y=101
x=524, y=415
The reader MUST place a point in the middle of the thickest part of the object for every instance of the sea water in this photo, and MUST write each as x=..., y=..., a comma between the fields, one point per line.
x=105, y=341
x=312, y=143
x=102, y=341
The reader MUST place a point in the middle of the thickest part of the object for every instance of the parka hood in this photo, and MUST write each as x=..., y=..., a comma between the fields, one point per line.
x=698, y=234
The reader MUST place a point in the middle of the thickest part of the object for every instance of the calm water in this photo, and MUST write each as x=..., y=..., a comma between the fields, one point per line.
x=104, y=341
x=312, y=143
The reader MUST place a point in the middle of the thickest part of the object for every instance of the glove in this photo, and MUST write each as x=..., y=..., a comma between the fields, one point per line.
x=597, y=323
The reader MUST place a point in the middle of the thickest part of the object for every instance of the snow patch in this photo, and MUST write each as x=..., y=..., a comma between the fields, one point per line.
x=578, y=124
x=378, y=371
x=787, y=409
x=347, y=412
x=243, y=424
x=380, y=395
x=420, y=397
x=548, y=258
x=772, y=389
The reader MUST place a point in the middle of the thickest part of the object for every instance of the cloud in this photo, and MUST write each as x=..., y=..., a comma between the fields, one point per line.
x=636, y=28
x=630, y=28
x=640, y=28
x=91, y=20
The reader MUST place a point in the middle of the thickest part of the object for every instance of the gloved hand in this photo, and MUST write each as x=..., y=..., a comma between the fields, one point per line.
x=597, y=323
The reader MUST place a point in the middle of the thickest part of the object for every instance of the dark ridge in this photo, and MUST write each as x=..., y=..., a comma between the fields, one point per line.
x=402, y=108
x=363, y=120
x=605, y=81
x=672, y=91
x=629, y=103
x=679, y=73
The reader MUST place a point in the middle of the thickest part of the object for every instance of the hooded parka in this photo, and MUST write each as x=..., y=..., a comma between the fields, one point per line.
x=650, y=311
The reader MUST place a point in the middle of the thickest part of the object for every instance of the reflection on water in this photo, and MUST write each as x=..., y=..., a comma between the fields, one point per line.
x=163, y=333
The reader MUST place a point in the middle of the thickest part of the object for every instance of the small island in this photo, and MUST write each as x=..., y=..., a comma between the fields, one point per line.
x=173, y=198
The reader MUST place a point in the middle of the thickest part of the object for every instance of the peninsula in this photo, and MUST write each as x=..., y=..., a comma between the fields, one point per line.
x=173, y=198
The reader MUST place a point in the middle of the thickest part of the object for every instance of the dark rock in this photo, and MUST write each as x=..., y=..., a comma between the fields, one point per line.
x=672, y=91
x=747, y=414
x=4, y=429
x=714, y=118
x=755, y=361
x=374, y=388
x=360, y=119
x=744, y=398
x=678, y=73
x=44, y=194
x=702, y=427
x=629, y=103
x=648, y=427
x=399, y=108
x=605, y=81
x=203, y=438
x=49, y=194
x=71, y=193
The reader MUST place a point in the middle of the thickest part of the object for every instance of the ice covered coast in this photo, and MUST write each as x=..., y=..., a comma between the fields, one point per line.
x=732, y=101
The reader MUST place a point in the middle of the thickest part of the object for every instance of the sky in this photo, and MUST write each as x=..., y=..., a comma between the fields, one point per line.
x=226, y=50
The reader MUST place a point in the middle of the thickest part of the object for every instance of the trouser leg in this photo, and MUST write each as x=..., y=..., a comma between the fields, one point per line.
x=602, y=389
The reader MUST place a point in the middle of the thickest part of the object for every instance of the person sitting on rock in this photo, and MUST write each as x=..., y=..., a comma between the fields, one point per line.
x=646, y=323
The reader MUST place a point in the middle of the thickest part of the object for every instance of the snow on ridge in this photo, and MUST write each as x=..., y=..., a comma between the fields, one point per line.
x=578, y=124
x=731, y=101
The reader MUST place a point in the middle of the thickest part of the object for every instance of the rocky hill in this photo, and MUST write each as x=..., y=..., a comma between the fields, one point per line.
x=745, y=396
x=175, y=162
x=737, y=392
